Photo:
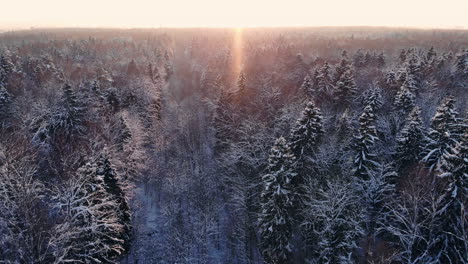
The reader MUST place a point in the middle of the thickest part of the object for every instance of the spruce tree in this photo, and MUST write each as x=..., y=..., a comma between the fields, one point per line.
x=90, y=230
x=5, y=106
x=132, y=68
x=70, y=119
x=113, y=187
x=402, y=56
x=373, y=98
x=307, y=86
x=307, y=131
x=359, y=59
x=404, y=99
x=342, y=67
x=442, y=134
x=410, y=141
x=431, y=54
x=462, y=64
x=365, y=160
x=345, y=89
x=324, y=81
x=124, y=134
x=381, y=60
x=277, y=202
x=452, y=246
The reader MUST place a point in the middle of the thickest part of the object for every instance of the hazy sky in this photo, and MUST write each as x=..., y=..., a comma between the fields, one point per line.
x=236, y=13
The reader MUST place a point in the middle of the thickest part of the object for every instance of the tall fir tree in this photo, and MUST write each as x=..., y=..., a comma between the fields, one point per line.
x=277, y=205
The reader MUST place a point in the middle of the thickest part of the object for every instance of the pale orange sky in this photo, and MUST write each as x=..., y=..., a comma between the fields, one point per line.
x=238, y=13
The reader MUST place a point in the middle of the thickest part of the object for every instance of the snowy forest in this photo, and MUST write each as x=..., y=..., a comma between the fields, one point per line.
x=278, y=146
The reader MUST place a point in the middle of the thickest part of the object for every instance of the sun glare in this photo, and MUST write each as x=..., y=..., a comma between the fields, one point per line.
x=237, y=49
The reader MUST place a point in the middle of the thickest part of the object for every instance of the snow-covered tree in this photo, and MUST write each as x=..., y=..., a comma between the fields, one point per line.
x=324, y=81
x=132, y=68
x=404, y=99
x=345, y=89
x=442, y=134
x=381, y=60
x=410, y=140
x=451, y=227
x=365, y=160
x=431, y=54
x=334, y=221
x=5, y=105
x=407, y=223
x=373, y=98
x=307, y=131
x=22, y=233
x=89, y=230
x=307, y=86
x=342, y=67
x=462, y=63
x=113, y=186
x=123, y=133
x=70, y=118
x=277, y=202
x=359, y=59
x=375, y=194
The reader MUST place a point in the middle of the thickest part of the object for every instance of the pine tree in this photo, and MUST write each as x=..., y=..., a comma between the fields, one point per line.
x=410, y=141
x=345, y=89
x=442, y=134
x=277, y=203
x=364, y=161
x=307, y=131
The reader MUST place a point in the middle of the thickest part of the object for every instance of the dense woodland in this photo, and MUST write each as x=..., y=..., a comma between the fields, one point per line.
x=319, y=145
